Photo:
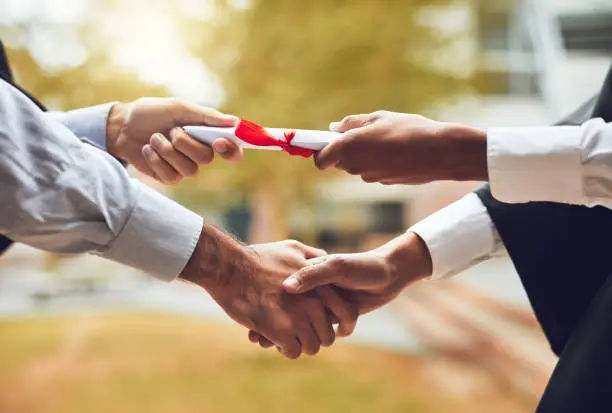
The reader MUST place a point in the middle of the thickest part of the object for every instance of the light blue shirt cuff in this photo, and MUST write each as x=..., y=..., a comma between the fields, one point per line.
x=88, y=124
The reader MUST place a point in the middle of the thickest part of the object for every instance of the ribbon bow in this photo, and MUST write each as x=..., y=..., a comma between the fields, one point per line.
x=257, y=135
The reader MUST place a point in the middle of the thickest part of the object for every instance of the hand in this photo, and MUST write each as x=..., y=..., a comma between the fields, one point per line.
x=395, y=148
x=147, y=134
x=370, y=279
x=247, y=284
x=367, y=280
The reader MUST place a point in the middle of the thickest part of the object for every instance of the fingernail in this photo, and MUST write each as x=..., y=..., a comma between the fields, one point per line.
x=147, y=150
x=221, y=147
x=334, y=126
x=173, y=132
x=157, y=139
x=292, y=283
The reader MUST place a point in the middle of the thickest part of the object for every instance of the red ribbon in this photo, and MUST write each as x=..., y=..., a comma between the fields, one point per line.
x=257, y=135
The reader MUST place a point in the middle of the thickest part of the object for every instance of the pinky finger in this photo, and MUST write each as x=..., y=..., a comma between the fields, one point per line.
x=255, y=337
x=227, y=150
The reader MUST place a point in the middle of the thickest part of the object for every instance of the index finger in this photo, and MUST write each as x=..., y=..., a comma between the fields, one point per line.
x=227, y=149
x=320, y=272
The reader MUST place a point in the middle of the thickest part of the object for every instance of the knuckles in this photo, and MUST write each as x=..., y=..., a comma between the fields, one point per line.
x=337, y=263
x=369, y=179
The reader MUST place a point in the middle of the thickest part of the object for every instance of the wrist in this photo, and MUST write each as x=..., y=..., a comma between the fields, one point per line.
x=217, y=260
x=467, y=152
x=114, y=126
x=408, y=258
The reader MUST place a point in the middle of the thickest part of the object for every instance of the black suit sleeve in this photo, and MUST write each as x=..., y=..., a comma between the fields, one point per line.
x=561, y=255
x=560, y=251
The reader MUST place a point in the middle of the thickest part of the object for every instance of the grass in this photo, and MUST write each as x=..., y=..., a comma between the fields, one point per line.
x=154, y=363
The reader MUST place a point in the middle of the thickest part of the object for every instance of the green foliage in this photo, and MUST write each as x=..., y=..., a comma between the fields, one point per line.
x=304, y=64
x=96, y=81
x=293, y=64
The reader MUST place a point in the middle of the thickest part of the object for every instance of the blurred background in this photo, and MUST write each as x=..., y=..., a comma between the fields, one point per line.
x=79, y=334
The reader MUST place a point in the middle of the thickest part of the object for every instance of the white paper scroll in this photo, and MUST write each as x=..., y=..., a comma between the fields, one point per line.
x=309, y=139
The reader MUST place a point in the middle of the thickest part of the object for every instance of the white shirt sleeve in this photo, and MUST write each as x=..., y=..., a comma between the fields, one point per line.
x=568, y=164
x=459, y=236
x=88, y=124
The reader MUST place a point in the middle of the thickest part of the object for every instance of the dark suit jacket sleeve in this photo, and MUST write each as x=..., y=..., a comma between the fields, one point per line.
x=561, y=252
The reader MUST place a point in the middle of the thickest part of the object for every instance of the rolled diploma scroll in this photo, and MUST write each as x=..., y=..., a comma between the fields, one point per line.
x=308, y=139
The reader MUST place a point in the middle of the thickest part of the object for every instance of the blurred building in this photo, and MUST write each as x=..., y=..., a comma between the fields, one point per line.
x=529, y=62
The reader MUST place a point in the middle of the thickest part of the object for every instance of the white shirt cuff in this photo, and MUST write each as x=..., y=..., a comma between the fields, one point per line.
x=159, y=236
x=88, y=124
x=458, y=236
x=535, y=164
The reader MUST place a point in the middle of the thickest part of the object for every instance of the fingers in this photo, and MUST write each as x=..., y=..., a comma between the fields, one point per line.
x=344, y=151
x=345, y=313
x=285, y=337
x=197, y=152
x=228, y=150
x=320, y=323
x=187, y=114
x=308, y=338
x=181, y=156
x=265, y=343
x=183, y=165
x=291, y=348
x=350, y=122
x=255, y=337
x=311, y=277
x=160, y=168
x=331, y=155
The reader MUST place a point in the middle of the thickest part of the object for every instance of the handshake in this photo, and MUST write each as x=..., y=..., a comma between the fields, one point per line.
x=290, y=295
x=287, y=294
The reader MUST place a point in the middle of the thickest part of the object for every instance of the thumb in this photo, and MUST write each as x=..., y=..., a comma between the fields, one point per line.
x=320, y=272
x=188, y=114
x=349, y=122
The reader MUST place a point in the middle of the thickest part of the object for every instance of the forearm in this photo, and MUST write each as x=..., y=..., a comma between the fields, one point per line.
x=465, y=151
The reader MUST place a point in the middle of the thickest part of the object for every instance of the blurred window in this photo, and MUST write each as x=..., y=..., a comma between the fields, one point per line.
x=388, y=217
x=493, y=30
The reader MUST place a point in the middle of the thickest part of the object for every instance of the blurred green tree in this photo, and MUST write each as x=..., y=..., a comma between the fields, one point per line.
x=283, y=64
x=96, y=80
x=304, y=64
